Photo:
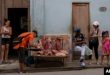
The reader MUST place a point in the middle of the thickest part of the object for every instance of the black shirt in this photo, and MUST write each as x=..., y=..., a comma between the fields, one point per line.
x=79, y=38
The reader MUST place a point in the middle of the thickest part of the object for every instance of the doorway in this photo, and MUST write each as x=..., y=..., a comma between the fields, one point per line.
x=19, y=23
x=81, y=18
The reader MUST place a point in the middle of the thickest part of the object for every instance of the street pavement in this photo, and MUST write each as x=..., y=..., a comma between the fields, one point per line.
x=72, y=68
x=98, y=71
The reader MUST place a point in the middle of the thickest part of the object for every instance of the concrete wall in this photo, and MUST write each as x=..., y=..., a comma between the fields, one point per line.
x=37, y=15
x=55, y=16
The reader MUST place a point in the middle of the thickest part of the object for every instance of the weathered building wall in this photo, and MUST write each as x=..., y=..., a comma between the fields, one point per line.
x=5, y=4
x=55, y=16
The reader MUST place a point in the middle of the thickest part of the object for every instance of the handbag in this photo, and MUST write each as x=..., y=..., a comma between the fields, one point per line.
x=88, y=51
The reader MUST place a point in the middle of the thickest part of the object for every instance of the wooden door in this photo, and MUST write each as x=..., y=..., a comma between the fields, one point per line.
x=80, y=17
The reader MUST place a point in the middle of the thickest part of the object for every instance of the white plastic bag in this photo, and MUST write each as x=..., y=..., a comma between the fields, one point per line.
x=88, y=51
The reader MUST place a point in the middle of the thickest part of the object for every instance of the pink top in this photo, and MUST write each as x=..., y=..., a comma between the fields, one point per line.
x=106, y=45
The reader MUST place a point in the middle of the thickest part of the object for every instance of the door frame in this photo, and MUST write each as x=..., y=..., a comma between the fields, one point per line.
x=73, y=17
x=28, y=19
x=14, y=35
x=73, y=26
x=28, y=7
x=27, y=14
x=88, y=14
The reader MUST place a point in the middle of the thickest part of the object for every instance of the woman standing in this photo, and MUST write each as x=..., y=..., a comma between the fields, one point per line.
x=94, y=41
x=6, y=32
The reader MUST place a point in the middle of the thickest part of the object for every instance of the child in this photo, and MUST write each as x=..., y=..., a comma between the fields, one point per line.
x=105, y=46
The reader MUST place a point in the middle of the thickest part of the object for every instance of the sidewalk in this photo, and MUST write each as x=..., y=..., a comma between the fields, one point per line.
x=13, y=67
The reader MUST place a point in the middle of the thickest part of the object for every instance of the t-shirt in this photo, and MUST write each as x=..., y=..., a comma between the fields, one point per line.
x=5, y=29
x=25, y=41
x=94, y=32
x=79, y=38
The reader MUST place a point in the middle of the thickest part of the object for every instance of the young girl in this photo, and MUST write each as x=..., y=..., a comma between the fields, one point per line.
x=105, y=46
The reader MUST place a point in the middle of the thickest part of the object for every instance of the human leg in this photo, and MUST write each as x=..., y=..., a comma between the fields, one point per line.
x=6, y=53
x=21, y=59
x=107, y=59
x=82, y=57
x=91, y=46
x=96, y=52
x=2, y=53
x=102, y=57
x=81, y=49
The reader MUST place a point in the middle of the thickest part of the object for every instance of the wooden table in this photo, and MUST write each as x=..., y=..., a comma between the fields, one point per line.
x=52, y=58
x=33, y=49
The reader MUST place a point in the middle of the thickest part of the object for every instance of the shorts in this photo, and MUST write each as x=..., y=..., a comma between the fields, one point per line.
x=5, y=41
x=21, y=55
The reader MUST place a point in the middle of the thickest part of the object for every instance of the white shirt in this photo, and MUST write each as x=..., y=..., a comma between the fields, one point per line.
x=4, y=29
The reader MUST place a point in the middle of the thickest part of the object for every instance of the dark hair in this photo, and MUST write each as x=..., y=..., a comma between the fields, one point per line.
x=35, y=32
x=104, y=32
x=5, y=20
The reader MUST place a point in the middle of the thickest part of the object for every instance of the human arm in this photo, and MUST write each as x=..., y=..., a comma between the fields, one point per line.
x=34, y=42
x=95, y=33
x=79, y=39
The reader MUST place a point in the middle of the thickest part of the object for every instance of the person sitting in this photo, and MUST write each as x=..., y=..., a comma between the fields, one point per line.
x=79, y=41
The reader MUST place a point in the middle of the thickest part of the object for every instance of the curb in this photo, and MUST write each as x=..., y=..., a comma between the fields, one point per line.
x=52, y=69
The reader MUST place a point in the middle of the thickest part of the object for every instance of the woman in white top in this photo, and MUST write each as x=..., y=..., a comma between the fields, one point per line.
x=94, y=39
x=6, y=32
